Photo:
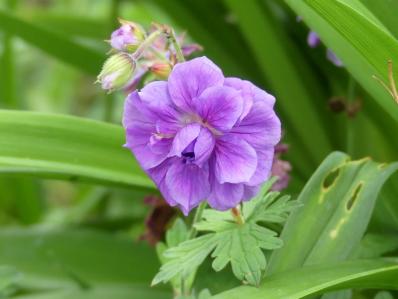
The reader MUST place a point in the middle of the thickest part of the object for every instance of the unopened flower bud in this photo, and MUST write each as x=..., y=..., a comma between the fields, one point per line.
x=116, y=72
x=128, y=37
x=161, y=70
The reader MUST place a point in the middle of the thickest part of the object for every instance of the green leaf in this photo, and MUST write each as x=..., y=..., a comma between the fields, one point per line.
x=238, y=244
x=66, y=147
x=9, y=278
x=281, y=65
x=54, y=44
x=383, y=295
x=338, y=203
x=312, y=280
x=362, y=44
x=376, y=245
x=81, y=263
x=185, y=258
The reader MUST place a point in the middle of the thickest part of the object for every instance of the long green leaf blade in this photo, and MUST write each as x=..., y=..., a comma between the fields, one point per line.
x=312, y=280
x=66, y=147
x=54, y=44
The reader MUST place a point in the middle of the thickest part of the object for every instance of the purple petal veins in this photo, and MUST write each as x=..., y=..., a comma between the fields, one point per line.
x=201, y=136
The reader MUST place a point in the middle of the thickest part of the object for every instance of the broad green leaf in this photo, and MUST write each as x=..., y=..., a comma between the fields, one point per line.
x=60, y=258
x=312, y=280
x=362, y=44
x=239, y=243
x=54, y=44
x=100, y=292
x=376, y=245
x=65, y=147
x=338, y=203
x=384, y=10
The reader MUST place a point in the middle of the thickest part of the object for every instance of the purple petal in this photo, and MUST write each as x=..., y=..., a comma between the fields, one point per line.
x=264, y=164
x=333, y=58
x=313, y=39
x=189, y=79
x=225, y=196
x=250, y=191
x=235, y=160
x=204, y=146
x=187, y=184
x=140, y=130
x=220, y=107
x=183, y=138
x=158, y=175
x=137, y=140
x=261, y=127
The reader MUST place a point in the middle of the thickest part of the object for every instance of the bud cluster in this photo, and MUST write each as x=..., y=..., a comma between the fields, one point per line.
x=137, y=54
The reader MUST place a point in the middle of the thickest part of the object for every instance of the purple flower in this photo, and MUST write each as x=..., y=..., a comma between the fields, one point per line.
x=333, y=58
x=127, y=37
x=313, y=39
x=201, y=136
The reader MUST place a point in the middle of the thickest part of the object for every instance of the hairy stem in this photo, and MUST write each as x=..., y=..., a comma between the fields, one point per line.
x=237, y=215
x=198, y=215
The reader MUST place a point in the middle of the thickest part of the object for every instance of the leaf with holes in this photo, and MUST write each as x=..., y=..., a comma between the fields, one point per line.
x=238, y=244
x=338, y=203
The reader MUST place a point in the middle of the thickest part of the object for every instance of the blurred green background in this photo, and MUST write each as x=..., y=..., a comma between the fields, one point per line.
x=59, y=238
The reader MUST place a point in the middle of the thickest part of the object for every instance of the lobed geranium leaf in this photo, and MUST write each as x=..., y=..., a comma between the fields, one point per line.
x=185, y=258
x=238, y=244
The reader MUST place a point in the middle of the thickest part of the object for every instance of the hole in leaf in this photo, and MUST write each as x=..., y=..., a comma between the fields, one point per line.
x=354, y=196
x=331, y=178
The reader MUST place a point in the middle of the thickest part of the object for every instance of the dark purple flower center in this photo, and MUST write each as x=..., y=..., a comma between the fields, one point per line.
x=188, y=153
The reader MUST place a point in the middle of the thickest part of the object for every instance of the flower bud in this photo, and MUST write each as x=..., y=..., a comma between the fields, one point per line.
x=127, y=37
x=161, y=69
x=116, y=72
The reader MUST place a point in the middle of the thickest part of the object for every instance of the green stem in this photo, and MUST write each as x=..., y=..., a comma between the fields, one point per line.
x=146, y=44
x=350, y=125
x=198, y=216
x=173, y=38
x=237, y=215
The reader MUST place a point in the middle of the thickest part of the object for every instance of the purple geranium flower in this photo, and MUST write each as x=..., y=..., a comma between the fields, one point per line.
x=201, y=136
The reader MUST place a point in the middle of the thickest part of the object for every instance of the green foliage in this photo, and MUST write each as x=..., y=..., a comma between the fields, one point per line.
x=231, y=242
x=57, y=45
x=9, y=279
x=66, y=147
x=316, y=279
x=344, y=192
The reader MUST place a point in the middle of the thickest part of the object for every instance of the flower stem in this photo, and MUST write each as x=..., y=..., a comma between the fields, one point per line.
x=172, y=37
x=198, y=215
x=237, y=215
x=146, y=44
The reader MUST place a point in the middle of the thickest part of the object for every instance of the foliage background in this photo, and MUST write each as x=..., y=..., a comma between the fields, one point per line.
x=63, y=236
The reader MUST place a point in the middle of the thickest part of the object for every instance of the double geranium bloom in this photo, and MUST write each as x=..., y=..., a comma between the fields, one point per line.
x=201, y=136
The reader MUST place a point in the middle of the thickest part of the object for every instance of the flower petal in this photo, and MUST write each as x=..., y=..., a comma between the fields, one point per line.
x=139, y=131
x=260, y=128
x=183, y=138
x=158, y=175
x=235, y=160
x=138, y=136
x=265, y=158
x=220, y=107
x=204, y=146
x=187, y=184
x=189, y=79
x=225, y=196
